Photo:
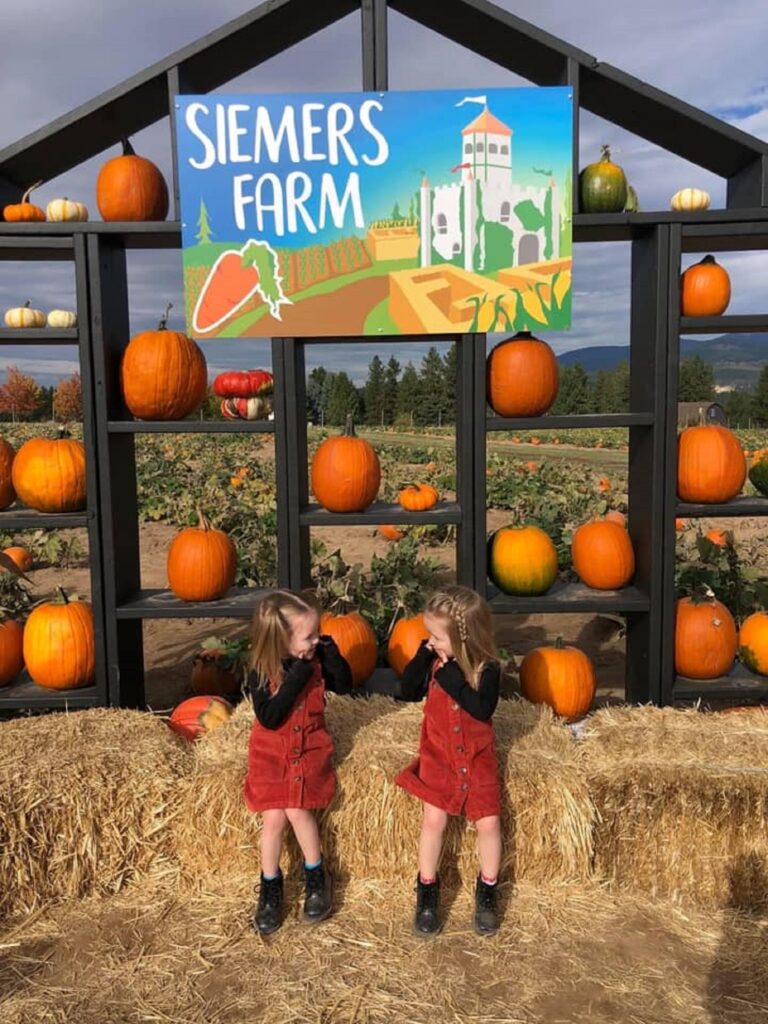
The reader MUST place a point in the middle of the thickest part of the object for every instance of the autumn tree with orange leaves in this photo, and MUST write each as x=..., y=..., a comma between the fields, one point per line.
x=68, y=399
x=20, y=395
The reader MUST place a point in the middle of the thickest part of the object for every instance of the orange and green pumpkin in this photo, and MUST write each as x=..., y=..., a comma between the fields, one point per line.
x=522, y=560
x=753, y=643
x=758, y=471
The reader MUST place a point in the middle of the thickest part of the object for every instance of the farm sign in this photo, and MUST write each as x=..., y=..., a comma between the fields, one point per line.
x=376, y=213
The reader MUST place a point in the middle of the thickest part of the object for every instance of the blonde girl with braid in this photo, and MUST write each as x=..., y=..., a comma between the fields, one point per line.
x=290, y=769
x=456, y=772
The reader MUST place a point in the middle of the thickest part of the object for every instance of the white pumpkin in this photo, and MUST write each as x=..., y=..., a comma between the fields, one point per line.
x=64, y=209
x=62, y=318
x=23, y=316
x=688, y=199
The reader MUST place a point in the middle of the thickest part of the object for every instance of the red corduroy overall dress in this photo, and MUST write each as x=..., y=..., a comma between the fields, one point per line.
x=291, y=766
x=456, y=769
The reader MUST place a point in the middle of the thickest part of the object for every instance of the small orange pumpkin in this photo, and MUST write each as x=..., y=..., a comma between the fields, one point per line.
x=404, y=641
x=11, y=650
x=345, y=473
x=49, y=474
x=721, y=538
x=202, y=562
x=391, y=533
x=561, y=676
x=705, y=638
x=21, y=556
x=418, y=497
x=163, y=374
x=130, y=187
x=753, y=643
x=355, y=639
x=24, y=211
x=59, y=646
x=197, y=716
x=7, y=491
x=602, y=555
x=604, y=485
x=711, y=468
x=705, y=289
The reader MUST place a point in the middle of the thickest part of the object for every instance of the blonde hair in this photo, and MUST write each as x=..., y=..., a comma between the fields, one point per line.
x=271, y=631
x=469, y=624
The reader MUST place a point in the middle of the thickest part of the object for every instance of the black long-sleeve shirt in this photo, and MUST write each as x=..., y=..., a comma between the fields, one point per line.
x=480, y=702
x=273, y=709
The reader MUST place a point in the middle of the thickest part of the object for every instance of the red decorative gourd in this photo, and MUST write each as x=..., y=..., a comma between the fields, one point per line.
x=705, y=638
x=562, y=677
x=130, y=187
x=710, y=464
x=355, y=639
x=345, y=472
x=243, y=383
x=197, y=716
x=202, y=562
x=522, y=376
x=705, y=289
x=602, y=555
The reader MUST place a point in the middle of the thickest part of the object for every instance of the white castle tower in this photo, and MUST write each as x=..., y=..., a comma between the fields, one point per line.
x=487, y=148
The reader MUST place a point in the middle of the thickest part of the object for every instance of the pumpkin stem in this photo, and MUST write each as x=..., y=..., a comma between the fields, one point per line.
x=63, y=599
x=128, y=149
x=202, y=521
x=163, y=325
x=349, y=429
x=605, y=153
x=558, y=644
x=25, y=197
x=707, y=261
x=522, y=334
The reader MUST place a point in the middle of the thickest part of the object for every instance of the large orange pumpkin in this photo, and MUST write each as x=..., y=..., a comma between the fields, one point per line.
x=753, y=643
x=202, y=562
x=7, y=492
x=59, y=647
x=705, y=638
x=418, y=497
x=345, y=472
x=562, y=677
x=198, y=715
x=130, y=187
x=163, y=375
x=11, y=650
x=710, y=464
x=705, y=289
x=522, y=560
x=49, y=474
x=404, y=641
x=522, y=377
x=355, y=639
x=602, y=555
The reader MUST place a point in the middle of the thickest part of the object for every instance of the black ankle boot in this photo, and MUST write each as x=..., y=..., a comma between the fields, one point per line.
x=269, y=913
x=486, y=919
x=318, y=893
x=427, y=918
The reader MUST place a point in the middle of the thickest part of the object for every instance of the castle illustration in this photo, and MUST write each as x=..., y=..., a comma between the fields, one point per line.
x=483, y=221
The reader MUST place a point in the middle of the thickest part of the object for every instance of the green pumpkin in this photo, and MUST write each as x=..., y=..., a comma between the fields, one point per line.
x=522, y=560
x=758, y=471
x=603, y=186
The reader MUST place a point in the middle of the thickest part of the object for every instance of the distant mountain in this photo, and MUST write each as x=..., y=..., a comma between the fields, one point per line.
x=737, y=358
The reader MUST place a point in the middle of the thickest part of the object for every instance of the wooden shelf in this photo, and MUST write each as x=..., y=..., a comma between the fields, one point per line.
x=25, y=694
x=382, y=512
x=237, y=603
x=20, y=518
x=749, y=324
x=134, y=234
x=191, y=426
x=739, y=682
x=569, y=597
x=600, y=420
x=744, y=505
x=710, y=224
x=39, y=336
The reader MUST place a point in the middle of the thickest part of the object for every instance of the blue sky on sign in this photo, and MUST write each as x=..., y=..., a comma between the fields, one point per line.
x=713, y=59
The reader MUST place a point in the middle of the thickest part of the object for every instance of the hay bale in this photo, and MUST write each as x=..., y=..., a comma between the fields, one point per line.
x=682, y=802
x=371, y=829
x=85, y=802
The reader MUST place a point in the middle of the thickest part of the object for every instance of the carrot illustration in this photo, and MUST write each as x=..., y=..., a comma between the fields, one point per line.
x=235, y=276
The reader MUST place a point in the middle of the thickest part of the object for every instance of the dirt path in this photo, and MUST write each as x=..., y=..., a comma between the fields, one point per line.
x=355, y=301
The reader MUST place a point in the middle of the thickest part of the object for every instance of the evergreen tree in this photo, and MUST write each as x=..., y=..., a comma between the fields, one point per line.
x=449, y=385
x=574, y=395
x=739, y=405
x=431, y=381
x=408, y=395
x=603, y=392
x=697, y=381
x=391, y=387
x=342, y=400
x=396, y=215
x=204, y=232
x=315, y=393
x=760, y=399
x=620, y=388
x=373, y=393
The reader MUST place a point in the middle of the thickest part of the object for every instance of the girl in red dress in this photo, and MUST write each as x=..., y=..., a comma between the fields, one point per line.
x=456, y=770
x=289, y=752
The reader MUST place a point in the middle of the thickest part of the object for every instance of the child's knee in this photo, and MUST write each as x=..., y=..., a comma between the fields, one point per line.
x=434, y=819
x=488, y=826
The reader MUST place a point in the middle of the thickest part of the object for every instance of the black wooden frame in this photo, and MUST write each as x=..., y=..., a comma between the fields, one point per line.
x=658, y=240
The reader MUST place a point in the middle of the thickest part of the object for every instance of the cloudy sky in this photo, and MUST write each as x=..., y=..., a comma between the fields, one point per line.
x=712, y=55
